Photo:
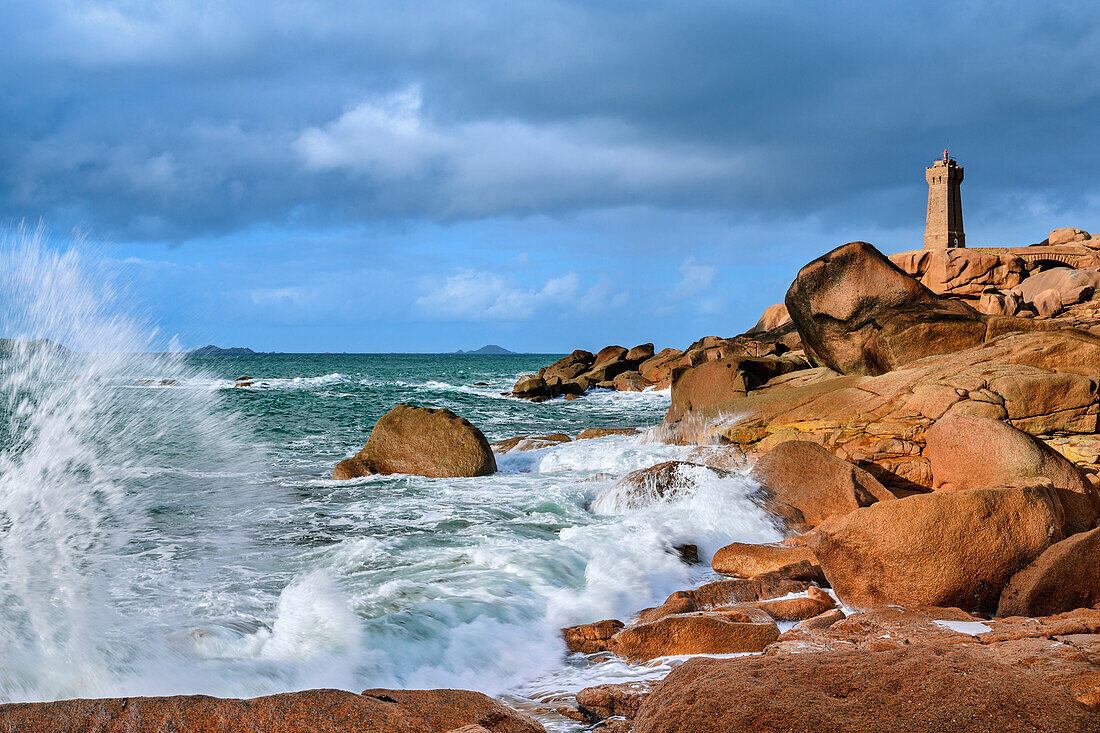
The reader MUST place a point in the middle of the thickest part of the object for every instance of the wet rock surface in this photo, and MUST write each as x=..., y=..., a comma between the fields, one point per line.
x=311, y=711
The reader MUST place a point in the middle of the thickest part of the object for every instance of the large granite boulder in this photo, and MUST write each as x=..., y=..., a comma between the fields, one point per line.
x=531, y=387
x=809, y=478
x=1065, y=577
x=695, y=388
x=422, y=442
x=956, y=548
x=610, y=362
x=858, y=313
x=915, y=689
x=967, y=451
x=640, y=353
x=631, y=381
x=960, y=272
x=311, y=711
x=657, y=369
x=1065, y=235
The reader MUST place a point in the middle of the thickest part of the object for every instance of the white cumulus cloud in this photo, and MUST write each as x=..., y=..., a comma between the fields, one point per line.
x=474, y=295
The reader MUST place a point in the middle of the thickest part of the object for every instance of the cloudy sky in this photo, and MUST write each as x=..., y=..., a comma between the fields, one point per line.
x=428, y=176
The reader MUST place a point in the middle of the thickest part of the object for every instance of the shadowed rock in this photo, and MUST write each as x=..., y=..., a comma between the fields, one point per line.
x=1065, y=577
x=620, y=700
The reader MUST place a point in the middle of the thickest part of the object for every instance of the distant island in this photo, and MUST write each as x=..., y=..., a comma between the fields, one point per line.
x=487, y=349
x=8, y=346
x=212, y=349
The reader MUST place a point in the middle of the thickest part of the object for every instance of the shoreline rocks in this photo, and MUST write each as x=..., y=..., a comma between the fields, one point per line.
x=528, y=442
x=859, y=314
x=748, y=561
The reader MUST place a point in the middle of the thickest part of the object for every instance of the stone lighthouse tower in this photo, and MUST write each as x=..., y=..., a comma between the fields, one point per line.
x=943, y=227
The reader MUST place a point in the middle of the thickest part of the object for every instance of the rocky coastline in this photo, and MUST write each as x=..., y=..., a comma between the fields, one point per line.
x=925, y=429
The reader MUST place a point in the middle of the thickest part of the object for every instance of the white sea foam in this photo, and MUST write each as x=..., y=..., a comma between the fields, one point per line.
x=75, y=449
x=499, y=392
x=260, y=382
x=311, y=620
x=610, y=454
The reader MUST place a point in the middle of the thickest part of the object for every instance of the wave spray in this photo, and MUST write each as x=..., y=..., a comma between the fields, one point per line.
x=77, y=437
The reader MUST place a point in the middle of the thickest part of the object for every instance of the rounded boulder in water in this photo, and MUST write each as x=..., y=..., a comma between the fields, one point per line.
x=421, y=442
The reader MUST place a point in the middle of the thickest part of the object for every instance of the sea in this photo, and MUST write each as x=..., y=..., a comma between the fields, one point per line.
x=164, y=531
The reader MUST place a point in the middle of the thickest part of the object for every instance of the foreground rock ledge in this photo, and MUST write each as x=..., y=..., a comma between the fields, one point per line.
x=312, y=711
x=912, y=689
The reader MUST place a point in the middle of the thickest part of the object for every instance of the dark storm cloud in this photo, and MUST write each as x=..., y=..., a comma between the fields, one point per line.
x=168, y=120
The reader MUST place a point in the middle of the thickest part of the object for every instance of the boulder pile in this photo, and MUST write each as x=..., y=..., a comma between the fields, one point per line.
x=639, y=368
x=935, y=465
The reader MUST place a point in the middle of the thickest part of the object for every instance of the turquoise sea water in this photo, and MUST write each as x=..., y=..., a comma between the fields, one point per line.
x=187, y=537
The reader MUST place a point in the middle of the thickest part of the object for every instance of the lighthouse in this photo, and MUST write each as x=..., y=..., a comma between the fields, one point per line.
x=943, y=227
